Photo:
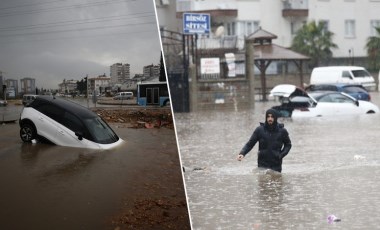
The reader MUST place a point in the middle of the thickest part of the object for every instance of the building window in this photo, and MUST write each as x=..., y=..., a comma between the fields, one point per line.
x=242, y=28
x=231, y=28
x=325, y=25
x=349, y=28
x=374, y=24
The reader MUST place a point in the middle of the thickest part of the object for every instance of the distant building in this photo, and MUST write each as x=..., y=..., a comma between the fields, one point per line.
x=120, y=73
x=28, y=85
x=151, y=71
x=68, y=86
x=12, y=88
x=99, y=84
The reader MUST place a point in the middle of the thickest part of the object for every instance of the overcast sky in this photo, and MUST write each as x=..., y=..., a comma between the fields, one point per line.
x=52, y=40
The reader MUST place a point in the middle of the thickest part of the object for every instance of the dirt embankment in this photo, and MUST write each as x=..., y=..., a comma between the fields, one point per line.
x=138, y=118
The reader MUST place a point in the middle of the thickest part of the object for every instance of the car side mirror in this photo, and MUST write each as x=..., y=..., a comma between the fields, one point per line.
x=357, y=103
x=79, y=135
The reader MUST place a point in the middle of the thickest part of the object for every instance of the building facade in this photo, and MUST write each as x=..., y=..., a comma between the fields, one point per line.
x=12, y=88
x=99, y=84
x=151, y=71
x=120, y=72
x=351, y=21
x=28, y=86
x=68, y=86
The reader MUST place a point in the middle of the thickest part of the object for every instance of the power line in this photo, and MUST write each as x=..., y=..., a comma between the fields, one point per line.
x=78, y=29
x=59, y=8
x=76, y=22
x=29, y=4
x=112, y=35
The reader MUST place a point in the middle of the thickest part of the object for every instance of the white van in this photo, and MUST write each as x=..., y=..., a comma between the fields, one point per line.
x=343, y=74
x=123, y=96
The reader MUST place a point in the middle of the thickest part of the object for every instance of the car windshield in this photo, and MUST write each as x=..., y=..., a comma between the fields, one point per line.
x=100, y=131
x=360, y=73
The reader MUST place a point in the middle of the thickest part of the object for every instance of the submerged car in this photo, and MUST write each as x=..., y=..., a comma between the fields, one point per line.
x=295, y=102
x=355, y=90
x=65, y=123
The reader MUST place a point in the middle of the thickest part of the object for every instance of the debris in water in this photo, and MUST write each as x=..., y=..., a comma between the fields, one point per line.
x=332, y=218
x=359, y=157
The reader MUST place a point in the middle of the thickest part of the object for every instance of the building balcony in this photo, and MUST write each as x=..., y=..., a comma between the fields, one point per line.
x=215, y=8
x=295, y=8
x=226, y=42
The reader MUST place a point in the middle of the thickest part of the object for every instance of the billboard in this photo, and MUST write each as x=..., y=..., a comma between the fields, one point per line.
x=196, y=23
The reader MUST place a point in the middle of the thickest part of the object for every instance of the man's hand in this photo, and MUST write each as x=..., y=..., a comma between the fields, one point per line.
x=240, y=157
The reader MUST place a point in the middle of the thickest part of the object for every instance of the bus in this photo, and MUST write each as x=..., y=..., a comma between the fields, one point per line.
x=153, y=93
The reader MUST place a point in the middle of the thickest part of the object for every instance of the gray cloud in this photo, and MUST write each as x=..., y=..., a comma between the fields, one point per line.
x=67, y=39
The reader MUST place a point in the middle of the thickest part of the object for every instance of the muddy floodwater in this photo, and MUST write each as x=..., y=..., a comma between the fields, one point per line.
x=136, y=186
x=332, y=169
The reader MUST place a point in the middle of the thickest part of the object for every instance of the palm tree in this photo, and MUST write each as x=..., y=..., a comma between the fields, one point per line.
x=314, y=41
x=373, y=50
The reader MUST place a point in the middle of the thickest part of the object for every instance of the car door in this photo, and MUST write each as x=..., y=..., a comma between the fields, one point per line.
x=337, y=104
x=66, y=131
x=46, y=121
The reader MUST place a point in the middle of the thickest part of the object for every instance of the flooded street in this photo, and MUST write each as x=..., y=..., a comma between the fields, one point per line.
x=331, y=170
x=52, y=187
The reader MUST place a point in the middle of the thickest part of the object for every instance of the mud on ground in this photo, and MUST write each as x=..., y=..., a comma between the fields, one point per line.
x=161, y=204
x=138, y=118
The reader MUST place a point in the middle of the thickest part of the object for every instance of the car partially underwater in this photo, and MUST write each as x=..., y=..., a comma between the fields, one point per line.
x=65, y=123
x=295, y=102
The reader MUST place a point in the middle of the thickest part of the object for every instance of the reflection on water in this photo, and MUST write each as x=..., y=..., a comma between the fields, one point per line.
x=331, y=169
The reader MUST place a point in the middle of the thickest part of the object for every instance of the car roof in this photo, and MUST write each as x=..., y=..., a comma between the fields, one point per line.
x=327, y=87
x=318, y=94
x=337, y=84
x=71, y=106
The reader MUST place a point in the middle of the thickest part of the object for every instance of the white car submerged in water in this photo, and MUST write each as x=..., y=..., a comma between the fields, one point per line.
x=65, y=123
x=295, y=102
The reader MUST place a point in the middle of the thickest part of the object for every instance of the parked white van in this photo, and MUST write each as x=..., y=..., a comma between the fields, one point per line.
x=123, y=96
x=343, y=74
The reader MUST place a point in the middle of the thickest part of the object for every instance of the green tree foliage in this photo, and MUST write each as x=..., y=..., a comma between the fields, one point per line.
x=162, y=70
x=82, y=86
x=315, y=41
x=373, y=50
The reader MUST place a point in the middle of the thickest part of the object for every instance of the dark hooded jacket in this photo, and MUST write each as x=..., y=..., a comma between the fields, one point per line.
x=274, y=143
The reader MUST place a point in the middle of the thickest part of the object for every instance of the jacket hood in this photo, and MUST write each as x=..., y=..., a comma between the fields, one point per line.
x=275, y=116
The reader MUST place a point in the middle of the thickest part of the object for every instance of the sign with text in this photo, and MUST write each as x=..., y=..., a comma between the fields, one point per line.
x=196, y=23
x=210, y=66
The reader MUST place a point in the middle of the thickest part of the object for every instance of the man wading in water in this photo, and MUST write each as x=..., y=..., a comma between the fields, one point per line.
x=274, y=143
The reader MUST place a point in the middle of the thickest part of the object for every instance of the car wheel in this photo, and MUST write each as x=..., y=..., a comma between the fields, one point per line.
x=27, y=132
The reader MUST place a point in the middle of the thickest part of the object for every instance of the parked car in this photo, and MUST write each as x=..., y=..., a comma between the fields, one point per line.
x=65, y=123
x=355, y=90
x=3, y=103
x=295, y=102
x=343, y=74
x=123, y=96
x=27, y=98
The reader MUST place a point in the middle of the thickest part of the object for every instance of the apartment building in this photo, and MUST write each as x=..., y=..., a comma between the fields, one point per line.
x=99, y=84
x=351, y=21
x=28, y=85
x=151, y=71
x=68, y=86
x=12, y=88
x=120, y=73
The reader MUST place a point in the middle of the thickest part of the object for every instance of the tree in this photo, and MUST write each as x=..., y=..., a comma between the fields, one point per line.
x=373, y=50
x=162, y=70
x=315, y=41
